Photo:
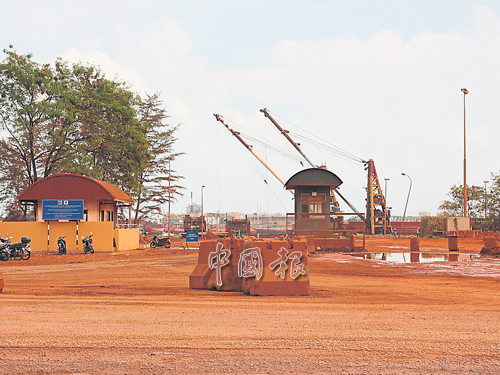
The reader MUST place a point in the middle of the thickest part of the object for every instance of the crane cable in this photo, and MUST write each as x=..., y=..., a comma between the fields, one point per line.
x=320, y=143
x=252, y=163
x=257, y=139
x=283, y=153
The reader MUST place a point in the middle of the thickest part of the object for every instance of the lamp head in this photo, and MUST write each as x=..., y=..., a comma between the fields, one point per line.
x=403, y=174
x=465, y=91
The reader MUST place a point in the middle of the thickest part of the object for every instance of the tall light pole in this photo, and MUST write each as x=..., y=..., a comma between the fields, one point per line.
x=202, y=210
x=407, y=199
x=485, y=198
x=169, y=195
x=465, y=91
x=385, y=200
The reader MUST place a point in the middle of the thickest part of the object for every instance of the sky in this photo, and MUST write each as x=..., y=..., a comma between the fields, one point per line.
x=350, y=80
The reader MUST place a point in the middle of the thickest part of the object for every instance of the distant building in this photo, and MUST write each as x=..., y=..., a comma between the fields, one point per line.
x=424, y=213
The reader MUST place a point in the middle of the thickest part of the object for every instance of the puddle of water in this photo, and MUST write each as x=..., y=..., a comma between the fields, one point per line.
x=418, y=257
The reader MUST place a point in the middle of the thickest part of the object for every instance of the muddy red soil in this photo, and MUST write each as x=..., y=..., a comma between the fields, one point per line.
x=133, y=313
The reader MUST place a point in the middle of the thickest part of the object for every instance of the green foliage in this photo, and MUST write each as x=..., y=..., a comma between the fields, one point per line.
x=194, y=208
x=483, y=203
x=158, y=183
x=72, y=119
x=475, y=202
x=432, y=225
x=493, y=195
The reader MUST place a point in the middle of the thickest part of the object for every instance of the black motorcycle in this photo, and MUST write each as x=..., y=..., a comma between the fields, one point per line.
x=156, y=242
x=88, y=247
x=20, y=250
x=4, y=249
x=61, y=245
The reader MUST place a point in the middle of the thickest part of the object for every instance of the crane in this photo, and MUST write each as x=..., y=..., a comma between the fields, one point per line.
x=376, y=219
x=248, y=147
x=296, y=146
x=377, y=214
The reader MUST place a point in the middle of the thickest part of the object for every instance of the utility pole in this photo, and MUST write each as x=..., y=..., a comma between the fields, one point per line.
x=465, y=91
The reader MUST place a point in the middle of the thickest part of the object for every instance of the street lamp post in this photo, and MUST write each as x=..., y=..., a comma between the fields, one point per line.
x=465, y=91
x=202, y=226
x=385, y=200
x=407, y=199
x=169, y=195
x=485, y=198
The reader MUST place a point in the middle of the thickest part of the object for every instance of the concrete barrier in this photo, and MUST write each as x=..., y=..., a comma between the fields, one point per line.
x=414, y=244
x=310, y=243
x=253, y=266
x=230, y=279
x=490, y=242
x=285, y=270
x=453, y=243
x=200, y=277
x=414, y=257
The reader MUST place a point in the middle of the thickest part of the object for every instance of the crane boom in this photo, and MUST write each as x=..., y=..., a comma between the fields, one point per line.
x=285, y=133
x=248, y=147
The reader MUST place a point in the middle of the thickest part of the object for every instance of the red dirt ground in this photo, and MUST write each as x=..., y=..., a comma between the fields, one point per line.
x=133, y=313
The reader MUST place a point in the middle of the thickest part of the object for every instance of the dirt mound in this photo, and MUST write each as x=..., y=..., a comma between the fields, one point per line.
x=492, y=252
x=210, y=236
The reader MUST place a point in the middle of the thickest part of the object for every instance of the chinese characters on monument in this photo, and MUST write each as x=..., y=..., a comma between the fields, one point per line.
x=251, y=264
x=217, y=260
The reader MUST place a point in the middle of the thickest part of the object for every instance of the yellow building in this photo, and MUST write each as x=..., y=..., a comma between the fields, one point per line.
x=73, y=206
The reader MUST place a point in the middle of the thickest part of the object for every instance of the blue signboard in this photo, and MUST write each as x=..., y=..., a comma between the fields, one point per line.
x=191, y=236
x=62, y=209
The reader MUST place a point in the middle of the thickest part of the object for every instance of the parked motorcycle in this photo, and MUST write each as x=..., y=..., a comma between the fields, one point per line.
x=88, y=247
x=61, y=244
x=165, y=241
x=20, y=250
x=4, y=249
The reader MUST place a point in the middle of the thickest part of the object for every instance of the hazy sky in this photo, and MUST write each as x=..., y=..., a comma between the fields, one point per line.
x=380, y=80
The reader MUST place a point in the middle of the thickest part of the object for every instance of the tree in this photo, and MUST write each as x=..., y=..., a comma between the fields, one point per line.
x=12, y=182
x=492, y=197
x=67, y=119
x=27, y=109
x=158, y=183
x=194, y=208
x=475, y=201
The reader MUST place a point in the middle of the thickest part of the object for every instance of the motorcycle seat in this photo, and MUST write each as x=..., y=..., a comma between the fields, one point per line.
x=16, y=245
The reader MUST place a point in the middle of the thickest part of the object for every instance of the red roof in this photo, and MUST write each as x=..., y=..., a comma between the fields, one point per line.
x=73, y=186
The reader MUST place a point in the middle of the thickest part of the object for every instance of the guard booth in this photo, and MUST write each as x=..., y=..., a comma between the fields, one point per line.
x=74, y=206
x=314, y=212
